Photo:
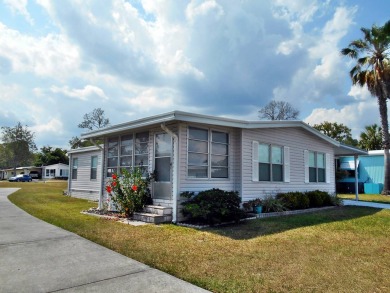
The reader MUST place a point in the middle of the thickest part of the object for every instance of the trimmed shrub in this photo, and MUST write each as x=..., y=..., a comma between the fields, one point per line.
x=294, y=200
x=212, y=206
x=319, y=198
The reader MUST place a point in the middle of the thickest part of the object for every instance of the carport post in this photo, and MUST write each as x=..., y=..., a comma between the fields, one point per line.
x=355, y=157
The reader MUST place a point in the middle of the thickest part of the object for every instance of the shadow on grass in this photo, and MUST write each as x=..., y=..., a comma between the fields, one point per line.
x=268, y=226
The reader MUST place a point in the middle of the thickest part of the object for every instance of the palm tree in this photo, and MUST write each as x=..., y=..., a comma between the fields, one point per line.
x=373, y=70
x=371, y=138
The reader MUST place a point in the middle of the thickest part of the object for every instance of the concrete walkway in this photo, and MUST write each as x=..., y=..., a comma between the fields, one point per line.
x=348, y=202
x=38, y=257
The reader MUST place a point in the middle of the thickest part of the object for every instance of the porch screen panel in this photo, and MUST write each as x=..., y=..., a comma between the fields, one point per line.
x=141, y=150
x=112, y=156
x=162, y=154
x=126, y=152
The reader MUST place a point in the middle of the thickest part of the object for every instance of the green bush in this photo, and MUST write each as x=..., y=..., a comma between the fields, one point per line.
x=212, y=206
x=294, y=200
x=272, y=204
x=130, y=192
x=319, y=198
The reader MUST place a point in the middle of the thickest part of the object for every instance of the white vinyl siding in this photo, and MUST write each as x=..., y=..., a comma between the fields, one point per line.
x=295, y=141
x=233, y=182
x=84, y=187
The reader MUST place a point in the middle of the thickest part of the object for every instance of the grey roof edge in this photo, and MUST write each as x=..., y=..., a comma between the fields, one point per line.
x=353, y=150
x=84, y=149
x=206, y=119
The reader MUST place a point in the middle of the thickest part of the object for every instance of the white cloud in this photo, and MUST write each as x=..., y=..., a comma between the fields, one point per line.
x=20, y=7
x=89, y=91
x=51, y=56
x=356, y=116
x=201, y=8
x=52, y=126
x=159, y=100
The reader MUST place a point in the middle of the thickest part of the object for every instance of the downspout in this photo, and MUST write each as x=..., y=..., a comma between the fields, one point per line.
x=356, y=178
x=69, y=174
x=175, y=170
x=100, y=207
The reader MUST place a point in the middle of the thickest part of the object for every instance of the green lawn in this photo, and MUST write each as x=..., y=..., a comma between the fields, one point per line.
x=368, y=197
x=345, y=249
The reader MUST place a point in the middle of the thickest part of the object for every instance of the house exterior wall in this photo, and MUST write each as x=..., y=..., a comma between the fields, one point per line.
x=61, y=171
x=232, y=183
x=297, y=140
x=372, y=169
x=85, y=187
x=197, y=184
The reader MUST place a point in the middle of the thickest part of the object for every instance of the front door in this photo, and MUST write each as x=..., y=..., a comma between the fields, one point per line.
x=162, y=186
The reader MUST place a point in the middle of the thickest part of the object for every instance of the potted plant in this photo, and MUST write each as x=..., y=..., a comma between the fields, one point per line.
x=254, y=205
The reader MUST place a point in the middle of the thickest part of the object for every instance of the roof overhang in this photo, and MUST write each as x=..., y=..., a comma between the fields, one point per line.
x=346, y=150
x=204, y=119
x=85, y=149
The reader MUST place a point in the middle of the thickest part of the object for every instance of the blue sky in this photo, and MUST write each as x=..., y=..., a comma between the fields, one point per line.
x=61, y=59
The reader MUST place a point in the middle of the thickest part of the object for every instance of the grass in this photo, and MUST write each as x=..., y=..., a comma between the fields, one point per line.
x=345, y=249
x=368, y=197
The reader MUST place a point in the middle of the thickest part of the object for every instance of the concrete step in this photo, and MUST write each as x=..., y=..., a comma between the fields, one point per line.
x=158, y=210
x=152, y=218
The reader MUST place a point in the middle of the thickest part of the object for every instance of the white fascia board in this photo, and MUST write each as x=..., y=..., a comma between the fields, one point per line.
x=130, y=125
x=84, y=149
x=204, y=119
x=346, y=150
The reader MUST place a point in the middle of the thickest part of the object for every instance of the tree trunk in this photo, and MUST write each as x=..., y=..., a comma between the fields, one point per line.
x=382, y=101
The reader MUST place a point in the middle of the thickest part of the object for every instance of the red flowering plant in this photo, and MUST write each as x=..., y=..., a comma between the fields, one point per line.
x=130, y=192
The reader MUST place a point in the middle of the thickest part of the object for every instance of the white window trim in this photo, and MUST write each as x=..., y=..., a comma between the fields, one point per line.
x=209, y=154
x=118, y=167
x=327, y=167
x=255, y=163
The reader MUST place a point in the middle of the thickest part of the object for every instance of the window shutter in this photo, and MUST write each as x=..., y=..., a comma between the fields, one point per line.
x=255, y=161
x=286, y=167
x=306, y=161
x=327, y=166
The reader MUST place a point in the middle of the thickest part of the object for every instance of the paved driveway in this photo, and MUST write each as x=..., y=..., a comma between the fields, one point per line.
x=38, y=257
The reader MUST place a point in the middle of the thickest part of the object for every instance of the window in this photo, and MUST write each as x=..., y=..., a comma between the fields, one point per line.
x=94, y=163
x=74, y=168
x=270, y=163
x=208, y=153
x=317, y=168
x=51, y=173
x=127, y=151
x=112, y=156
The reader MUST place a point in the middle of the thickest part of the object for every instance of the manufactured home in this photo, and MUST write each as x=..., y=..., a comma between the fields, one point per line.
x=86, y=180
x=369, y=172
x=194, y=152
x=34, y=172
x=58, y=171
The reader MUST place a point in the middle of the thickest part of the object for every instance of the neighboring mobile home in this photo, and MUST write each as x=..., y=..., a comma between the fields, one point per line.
x=85, y=180
x=192, y=152
x=8, y=173
x=370, y=173
x=59, y=170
